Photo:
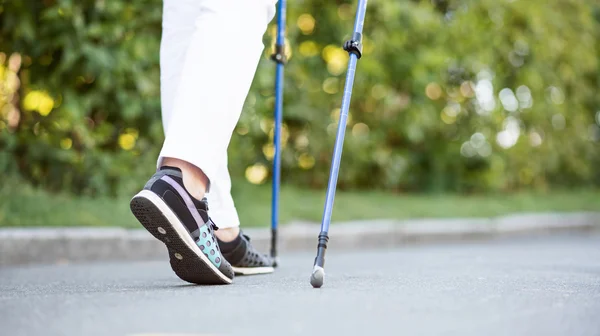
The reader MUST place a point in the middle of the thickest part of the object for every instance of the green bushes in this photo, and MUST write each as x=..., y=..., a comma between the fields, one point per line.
x=450, y=95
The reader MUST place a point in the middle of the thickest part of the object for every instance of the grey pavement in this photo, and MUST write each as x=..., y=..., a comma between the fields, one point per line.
x=546, y=285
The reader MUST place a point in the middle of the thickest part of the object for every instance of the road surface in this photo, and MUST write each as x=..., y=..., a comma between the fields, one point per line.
x=518, y=286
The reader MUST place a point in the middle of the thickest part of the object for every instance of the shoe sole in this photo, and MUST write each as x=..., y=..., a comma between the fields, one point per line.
x=187, y=261
x=252, y=270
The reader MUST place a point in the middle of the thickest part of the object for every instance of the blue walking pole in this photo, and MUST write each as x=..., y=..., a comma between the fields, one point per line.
x=279, y=58
x=354, y=49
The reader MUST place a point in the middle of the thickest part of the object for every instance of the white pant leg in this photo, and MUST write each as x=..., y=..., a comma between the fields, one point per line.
x=209, y=53
x=221, y=207
x=178, y=26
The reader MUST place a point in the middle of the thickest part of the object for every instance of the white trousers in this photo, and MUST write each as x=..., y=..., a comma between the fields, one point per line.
x=209, y=53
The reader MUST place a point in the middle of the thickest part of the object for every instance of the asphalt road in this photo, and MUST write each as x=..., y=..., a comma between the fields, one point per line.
x=527, y=286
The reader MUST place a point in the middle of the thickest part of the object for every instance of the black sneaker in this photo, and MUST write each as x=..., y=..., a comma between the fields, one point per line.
x=181, y=222
x=244, y=258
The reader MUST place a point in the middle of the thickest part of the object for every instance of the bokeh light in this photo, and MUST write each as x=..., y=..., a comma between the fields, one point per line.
x=38, y=101
x=306, y=161
x=308, y=49
x=433, y=91
x=306, y=23
x=256, y=174
x=331, y=85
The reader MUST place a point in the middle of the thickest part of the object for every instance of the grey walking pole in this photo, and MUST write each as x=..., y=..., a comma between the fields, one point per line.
x=354, y=48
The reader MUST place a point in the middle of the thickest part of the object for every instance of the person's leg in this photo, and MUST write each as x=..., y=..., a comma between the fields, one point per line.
x=235, y=246
x=218, y=70
x=222, y=207
x=179, y=25
x=205, y=79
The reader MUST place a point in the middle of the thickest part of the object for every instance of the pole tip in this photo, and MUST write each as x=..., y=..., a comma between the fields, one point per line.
x=317, y=276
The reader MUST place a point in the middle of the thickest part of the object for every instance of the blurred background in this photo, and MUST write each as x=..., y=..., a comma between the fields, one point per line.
x=460, y=108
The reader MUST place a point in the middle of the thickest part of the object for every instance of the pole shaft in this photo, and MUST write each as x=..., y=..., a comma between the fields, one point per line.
x=341, y=130
x=280, y=41
x=277, y=145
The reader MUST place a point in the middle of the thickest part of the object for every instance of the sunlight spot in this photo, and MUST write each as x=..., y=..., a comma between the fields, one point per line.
x=360, y=129
x=126, y=141
x=66, y=143
x=269, y=151
x=466, y=89
x=508, y=100
x=308, y=48
x=510, y=135
x=433, y=91
x=378, y=91
x=256, y=174
x=306, y=161
x=524, y=96
x=306, y=23
x=535, y=139
x=302, y=142
x=38, y=101
x=556, y=95
x=331, y=85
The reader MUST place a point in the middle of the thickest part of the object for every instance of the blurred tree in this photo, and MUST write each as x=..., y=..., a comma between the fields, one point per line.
x=458, y=95
x=89, y=89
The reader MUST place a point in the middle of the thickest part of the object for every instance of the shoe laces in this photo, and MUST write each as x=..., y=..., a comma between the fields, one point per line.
x=213, y=226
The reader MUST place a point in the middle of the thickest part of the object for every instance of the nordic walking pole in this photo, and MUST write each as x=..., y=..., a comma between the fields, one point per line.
x=279, y=58
x=354, y=49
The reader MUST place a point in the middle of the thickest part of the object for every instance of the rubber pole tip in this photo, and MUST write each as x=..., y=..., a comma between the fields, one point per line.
x=316, y=279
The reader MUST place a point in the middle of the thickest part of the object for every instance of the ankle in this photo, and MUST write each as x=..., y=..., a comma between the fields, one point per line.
x=228, y=234
x=194, y=180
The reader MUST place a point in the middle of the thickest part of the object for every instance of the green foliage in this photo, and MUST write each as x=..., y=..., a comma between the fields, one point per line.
x=98, y=60
x=458, y=95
